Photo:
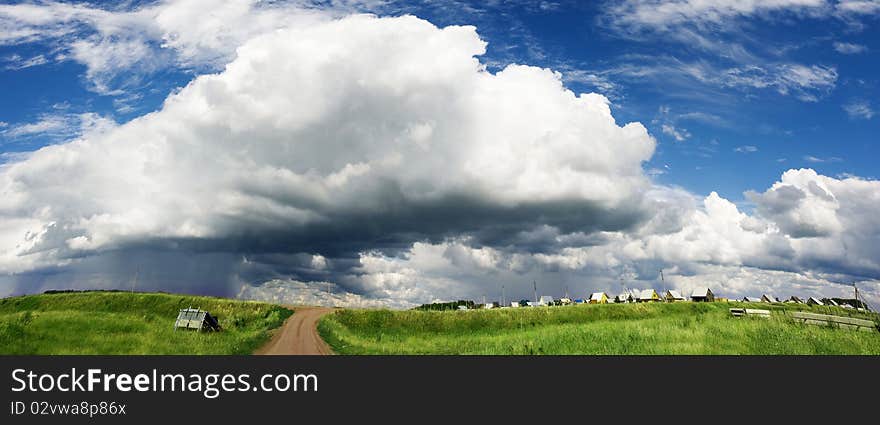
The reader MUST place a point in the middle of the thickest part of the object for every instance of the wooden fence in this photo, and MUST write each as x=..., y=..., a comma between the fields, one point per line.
x=837, y=321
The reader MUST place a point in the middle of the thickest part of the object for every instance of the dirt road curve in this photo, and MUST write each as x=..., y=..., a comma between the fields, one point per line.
x=299, y=334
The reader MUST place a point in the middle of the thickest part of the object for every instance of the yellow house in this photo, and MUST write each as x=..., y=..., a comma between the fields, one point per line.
x=599, y=298
x=648, y=295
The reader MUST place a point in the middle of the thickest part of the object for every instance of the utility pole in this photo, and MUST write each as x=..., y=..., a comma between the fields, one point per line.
x=502, y=295
x=862, y=303
x=535, y=285
x=662, y=284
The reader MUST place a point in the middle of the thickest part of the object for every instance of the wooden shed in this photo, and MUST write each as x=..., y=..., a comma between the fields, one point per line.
x=814, y=301
x=673, y=296
x=702, y=295
x=769, y=299
x=194, y=318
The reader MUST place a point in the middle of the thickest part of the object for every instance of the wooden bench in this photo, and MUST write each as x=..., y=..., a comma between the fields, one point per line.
x=758, y=312
x=837, y=321
x=739, y=312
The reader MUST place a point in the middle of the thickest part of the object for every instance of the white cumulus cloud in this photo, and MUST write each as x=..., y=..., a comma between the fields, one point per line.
x=359, y=124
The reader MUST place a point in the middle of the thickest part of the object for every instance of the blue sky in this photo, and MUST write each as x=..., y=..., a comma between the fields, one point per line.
x=734, y=137
x=129, y=132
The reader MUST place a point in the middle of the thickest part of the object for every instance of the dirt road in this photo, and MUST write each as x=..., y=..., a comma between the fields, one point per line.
x=299, y=334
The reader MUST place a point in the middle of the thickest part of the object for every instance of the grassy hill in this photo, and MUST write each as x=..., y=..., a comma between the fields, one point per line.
x=656, y=328
x=130, y=323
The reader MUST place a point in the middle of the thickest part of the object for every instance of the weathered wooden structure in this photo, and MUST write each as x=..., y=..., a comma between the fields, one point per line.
x=814, y=301
x=835, y=321
x=673, y=296
x=196, y=318
x=753, y=312
x=769, y=299
x=702, y=295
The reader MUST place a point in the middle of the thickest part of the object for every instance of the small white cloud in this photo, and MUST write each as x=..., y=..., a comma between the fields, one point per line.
x=849, y=48
x=746, y=149
x=598, y=82
x=859, y=109
x=665, y=15
x=121, y=45
x=656, y=171
x=803, y=81
x=859, y=7
x=57, y=126
x=680, y=134
x=549, y=5
x=808, y=83
x=47, y=124
x=16, y=62
x=319, y=262
x=704, y=118
x=816, y=159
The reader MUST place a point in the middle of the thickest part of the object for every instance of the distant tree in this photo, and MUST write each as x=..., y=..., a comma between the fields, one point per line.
x=453, y=305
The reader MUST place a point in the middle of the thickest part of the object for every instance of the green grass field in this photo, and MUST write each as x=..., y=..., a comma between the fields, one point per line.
x=675, y=328
x=130, y=323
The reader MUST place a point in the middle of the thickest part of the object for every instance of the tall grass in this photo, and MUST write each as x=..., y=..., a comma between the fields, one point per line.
x=656, y=328
x=130, y=323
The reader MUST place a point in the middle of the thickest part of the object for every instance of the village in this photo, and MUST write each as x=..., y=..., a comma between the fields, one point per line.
x=649, y=295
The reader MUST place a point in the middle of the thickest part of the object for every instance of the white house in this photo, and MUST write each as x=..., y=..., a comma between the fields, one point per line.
x=545, y=300
x=769, y=299
x=624, y=298
x=648, y=295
